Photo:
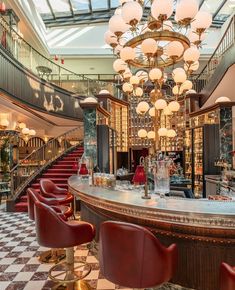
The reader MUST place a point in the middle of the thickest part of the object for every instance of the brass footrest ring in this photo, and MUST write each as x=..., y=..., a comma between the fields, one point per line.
x=69, y=272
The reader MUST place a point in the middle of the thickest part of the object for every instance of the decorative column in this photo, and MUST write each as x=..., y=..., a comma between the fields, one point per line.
x=226, y=134
x=89, y=106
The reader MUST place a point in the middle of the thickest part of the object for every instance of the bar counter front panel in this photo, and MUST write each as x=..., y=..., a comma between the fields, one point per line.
x=203, y=230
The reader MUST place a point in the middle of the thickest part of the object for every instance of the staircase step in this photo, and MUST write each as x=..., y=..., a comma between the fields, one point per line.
x=62, y=170
x=54, y=175
x=62, y=167
x=69, y=158
x=65, y=162
x=24, y=198
x=37, y=185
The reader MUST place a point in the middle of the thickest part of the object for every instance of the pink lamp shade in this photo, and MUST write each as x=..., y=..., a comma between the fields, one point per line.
x=139, y=176
x=2, y=7
x=83, y=169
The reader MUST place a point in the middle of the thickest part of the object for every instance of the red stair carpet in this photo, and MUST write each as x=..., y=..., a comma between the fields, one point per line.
x=59, y=173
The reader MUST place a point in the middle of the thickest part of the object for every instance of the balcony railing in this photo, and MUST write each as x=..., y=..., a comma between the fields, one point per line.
x=224, y=45
x=45, y=68
x=28, y=168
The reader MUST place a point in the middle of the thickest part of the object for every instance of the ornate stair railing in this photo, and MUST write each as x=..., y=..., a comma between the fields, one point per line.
x=31, y=166
x=47, y=69
x=226, y=42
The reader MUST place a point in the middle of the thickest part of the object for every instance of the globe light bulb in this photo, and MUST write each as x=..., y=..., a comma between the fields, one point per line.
x=142, y=133
x=222, y=99
x=160, y=104
x=117, y=25
x=151, y=135
x=191, y=55
x=162, y=9
x=171, y=133
x=134, y=80
x=162, y=132
x=143, y=107
x=155, y=74
x=127, y=54
x=152, y=112
x=127, y=88
x=119, y=65
x=132, y=13
x=174, y=49
x=138, y=92
x=110, y=38
x=149, y=46
x=174, y=106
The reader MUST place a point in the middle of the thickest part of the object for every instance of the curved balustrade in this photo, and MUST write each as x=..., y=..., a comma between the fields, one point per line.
x=226, y=43
x=28, y=168
x=45, y=68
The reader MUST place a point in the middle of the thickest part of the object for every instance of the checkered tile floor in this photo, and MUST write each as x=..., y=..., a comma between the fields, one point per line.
x=19, y=265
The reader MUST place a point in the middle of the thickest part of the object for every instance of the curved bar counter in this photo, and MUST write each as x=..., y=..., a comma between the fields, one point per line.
x=203, y=230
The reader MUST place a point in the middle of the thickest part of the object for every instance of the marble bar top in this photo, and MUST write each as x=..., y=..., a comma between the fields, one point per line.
x=185, y=210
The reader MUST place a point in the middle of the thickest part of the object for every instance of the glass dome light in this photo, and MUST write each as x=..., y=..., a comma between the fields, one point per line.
x=117, y=25
x=174, y=106
x=162, y=132
x=104, y=92
x=187, y=85
x=4, y=122
x=134, y=80
x=202, y=21
x=175, y=90
x=132, y=13
x=155, y=74
x=152, y=112
x=178, y=69
x=119, y=65
x=127, y=74
x=142, y=133
x=110, y=38
x=127, y=53
x=149, y=46
x=162, y=9
x=138, y=92
x=127, y=88
x=167, y=25
x=174, y=49
x=180, y=77
x=25, y=131
x=118, y=11
x=151, y=135
x=171, y=133
x=160, y=104
x=143, y=107
x=32, y=132
x=167, y=111
x=186, y=10
x=22, y=125
x=191, y=55
x=222, y=99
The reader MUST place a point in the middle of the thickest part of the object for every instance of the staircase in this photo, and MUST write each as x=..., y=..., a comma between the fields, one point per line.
x=59, y=173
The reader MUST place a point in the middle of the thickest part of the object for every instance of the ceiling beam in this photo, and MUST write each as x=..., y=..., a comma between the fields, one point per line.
x=201, y=3
x=71, y=7
x=50, y=7
x=219, y=8
x=109, y=4
x=90, y=7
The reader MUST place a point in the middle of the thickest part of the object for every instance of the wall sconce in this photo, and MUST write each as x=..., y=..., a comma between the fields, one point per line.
x=4, y=123
x=22, y=125
x=32, y=132
x=45, y=139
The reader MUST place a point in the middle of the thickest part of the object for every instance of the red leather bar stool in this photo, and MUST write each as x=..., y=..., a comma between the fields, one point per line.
x=227, y=277
x=131, y=256
x=52, y=231
x=33, y=195
x=50, y=256
x=50, y=190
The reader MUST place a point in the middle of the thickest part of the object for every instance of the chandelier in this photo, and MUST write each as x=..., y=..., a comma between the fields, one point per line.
x=155, y=41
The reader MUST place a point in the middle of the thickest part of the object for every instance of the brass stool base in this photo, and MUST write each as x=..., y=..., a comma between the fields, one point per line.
x=52, y=256
x=68, y=273
x=79, y=285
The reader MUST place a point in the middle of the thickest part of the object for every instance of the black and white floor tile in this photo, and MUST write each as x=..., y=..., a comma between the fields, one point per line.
x=19, y=265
